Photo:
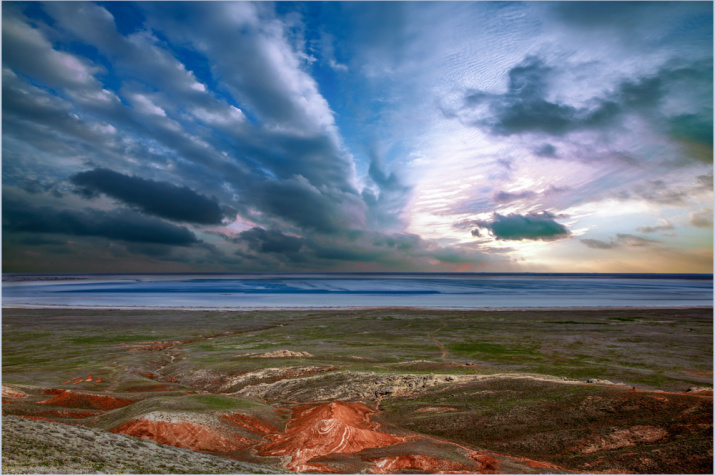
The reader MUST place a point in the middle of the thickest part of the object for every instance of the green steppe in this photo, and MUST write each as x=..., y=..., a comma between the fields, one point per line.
x=557, y=378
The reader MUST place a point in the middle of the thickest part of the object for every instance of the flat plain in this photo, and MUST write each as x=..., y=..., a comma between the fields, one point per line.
x=388, y=390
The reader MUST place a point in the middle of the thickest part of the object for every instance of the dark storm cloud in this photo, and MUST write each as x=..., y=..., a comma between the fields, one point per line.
x=621, y=240
x=261, y=240
x=151, y=197
x=347, y=253
x=525, y=107
x=33, y=239
x=317, y=158
x=271, y=249
x=300, y=203
x=516, y=227
x=123, y=225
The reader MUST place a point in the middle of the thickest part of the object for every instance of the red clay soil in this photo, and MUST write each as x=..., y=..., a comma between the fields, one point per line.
x=252, y=423
x=429, y=464
x=698, y=373
x=327, y=428
x=538, y=464
x=82, y=379
x=53, y=391
x=68, y=398
x=187, y=435
x=12, y=393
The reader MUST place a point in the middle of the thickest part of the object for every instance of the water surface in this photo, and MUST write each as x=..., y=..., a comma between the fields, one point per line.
x=358, y=290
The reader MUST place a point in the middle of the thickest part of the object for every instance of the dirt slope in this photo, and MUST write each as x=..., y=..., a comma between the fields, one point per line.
x=332, y=428
x=31, y=446
x=179, y=431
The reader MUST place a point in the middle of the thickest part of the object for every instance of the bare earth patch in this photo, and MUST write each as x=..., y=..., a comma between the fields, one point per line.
x=179, y=432
x=280, y=354
x=624, y=438
x=336, y=427
x=67, y=398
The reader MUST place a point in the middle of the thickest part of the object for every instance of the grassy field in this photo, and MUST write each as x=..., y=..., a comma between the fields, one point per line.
x=524, y=383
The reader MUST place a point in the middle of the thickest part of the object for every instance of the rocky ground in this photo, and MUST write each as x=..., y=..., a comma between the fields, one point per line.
x=380, y=391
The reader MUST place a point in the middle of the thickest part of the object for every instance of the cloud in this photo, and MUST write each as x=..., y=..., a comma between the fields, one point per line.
x=705, y=182
x=634, y=241
x=673, y=100
x=546, y=150
x=45, y=121
x=502, y=197
x=122, y=225
x=385, y=204
x=524, y=107
x=665, y=226
x=506, y=196
x=157, y=198
x=692, y=128
x=26, y=49
x=251, y=165
x=621, y=240
x=348, y=253
x=298, y=202
x=138, y=53
x=182, y=110
x=271, y=241
x=269, y=79
x=702, y=219
x=656, y=191
x=616, y=17
x=533, y=226
x=598, y=244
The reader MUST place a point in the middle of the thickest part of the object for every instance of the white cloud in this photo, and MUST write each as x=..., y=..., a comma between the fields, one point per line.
x=145, y=105
x=27, y=50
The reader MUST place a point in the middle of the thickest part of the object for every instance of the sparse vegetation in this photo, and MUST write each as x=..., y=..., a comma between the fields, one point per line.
x=514, y=382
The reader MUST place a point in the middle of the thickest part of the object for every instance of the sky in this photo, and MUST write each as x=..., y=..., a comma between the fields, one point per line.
x=357, y=137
